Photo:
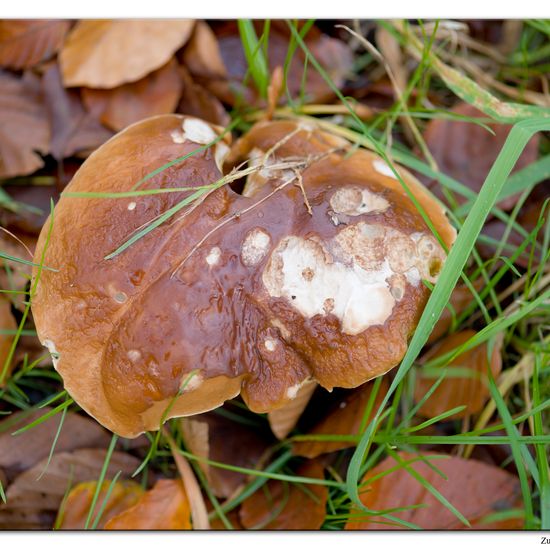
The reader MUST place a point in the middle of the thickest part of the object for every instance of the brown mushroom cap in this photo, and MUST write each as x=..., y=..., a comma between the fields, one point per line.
x=249, y=294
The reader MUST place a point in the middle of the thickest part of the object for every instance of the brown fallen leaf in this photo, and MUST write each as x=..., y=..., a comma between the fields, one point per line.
x=7, y=323
x=345, y=418
x=287, y=506
x=108, y=53
x=24, y=129
x=165, y=506
x=476, y=489
x=76, y=508
x=202, y=54
x=466, y=151
x=33, y=503
x=455, y=391
x=205, y=435
x=20, y=452
x=26, y=42
x=198, y=101
x=74, y=130
x=334, y=55
x=155, y=94
x=460, y=298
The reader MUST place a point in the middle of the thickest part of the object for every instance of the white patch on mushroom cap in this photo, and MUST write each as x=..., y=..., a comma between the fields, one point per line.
x=191, y=383
x=354, y=201
x=198, y=131
x=255, y=246
x=382, y=168
x=358, y=276
x=134, y=355
x=292, y=391
x=359, y=298
x=132, y=206
x=270, y=344
x=53, y=351
x=221, y=150
x=177, y=136
x=214, y=256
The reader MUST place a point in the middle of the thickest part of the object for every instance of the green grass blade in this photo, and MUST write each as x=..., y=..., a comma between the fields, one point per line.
x=254, y=55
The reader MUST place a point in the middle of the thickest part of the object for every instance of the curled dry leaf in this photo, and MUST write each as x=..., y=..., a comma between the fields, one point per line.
x=470, y=389
x=75, y=509
x=165, y=506
x=155, y=94
x=108, y=53
x=281, y=505
x=25, y=43
x=476, y=489
x=73, y=129
x=198, y=101
x=202, y=54
x=466, y=151
x=20, y=452
x=33, y=501
x=24, y=129
x=205, y=435
x=345, y=418
x=7, y=323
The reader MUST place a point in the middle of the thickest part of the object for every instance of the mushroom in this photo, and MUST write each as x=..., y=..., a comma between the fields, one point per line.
x=314, y=273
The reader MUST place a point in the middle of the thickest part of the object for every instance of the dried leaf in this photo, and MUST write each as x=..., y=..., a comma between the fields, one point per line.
x=343, y=419
x=284, y=506
x=165, y=506
x=25, y=43
x=460, y=298
x=205, y=435
x=156, y=94
x=198, y=101
x=199, y=515
x=33, y=503
x=7, y=322
x=202, y=54
x=474, y=488
x=20, y=452
x=24, y=129
x=108, y=53
x=467, y=151
x=73, y=129
x=74, y=512
x=455, y=391
x=283, y=420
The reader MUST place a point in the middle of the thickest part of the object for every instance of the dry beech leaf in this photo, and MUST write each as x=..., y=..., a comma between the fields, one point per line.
x=73, y=129
x=205, y=435
x=460, y=298
x=466, y=151
x=287, y=506
x=33, y=501
x=25, y=43
x=474, y=488
x=24, y=129
x=20, y=452
x=343, y=419
x=283, y=420
x=165, y=506
x=155, y=94
x=74, y=512
x=334, y=55
x=7, y=322
x=202, y=54
x=107, y=53
x=471, y=391
x=198, y=101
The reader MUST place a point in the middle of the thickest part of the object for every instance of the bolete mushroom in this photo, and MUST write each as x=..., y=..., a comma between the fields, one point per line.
x=313, y=273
